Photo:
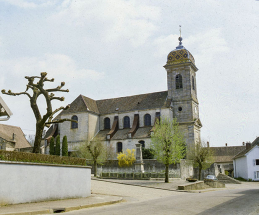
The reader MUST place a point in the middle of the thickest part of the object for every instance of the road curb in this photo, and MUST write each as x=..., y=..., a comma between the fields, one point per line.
x=93, y=205
x=66, y=209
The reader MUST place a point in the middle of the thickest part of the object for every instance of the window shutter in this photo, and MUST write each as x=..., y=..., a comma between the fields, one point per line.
x=254, y=161
x=255, y=175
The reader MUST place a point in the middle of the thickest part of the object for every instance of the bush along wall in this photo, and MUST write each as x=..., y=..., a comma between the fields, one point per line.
x=40, y=158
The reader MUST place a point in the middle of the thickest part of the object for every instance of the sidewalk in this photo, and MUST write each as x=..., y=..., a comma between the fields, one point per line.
x=50, y=207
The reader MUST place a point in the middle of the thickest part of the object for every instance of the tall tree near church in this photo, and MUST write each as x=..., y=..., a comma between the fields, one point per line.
x=202, y=156
x=168, y=143
x=96, y=151
x=64, y=146
x=38, y=90
x=57, y=147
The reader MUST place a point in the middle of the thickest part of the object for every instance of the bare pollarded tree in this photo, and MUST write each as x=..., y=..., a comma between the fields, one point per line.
x=37, y=90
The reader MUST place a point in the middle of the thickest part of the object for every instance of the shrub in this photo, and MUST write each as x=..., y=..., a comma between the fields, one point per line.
x=51, y=146
x=57, y=148
x=64, y=146
x=126, y=159
x=40, y=158
x=147, y=153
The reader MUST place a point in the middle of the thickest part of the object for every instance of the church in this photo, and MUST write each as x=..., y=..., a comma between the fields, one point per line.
x=122, y=122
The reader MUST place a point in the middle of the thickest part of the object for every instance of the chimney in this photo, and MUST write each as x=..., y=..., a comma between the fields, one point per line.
x=14, y=135
x=226, y=144
x=248, y=146
x=243, y=143
x=208, y=144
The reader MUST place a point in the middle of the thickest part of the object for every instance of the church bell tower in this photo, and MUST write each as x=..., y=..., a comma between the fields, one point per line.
x=182, y=92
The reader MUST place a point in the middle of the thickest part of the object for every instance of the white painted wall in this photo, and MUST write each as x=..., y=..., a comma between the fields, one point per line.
x=26, y=182
x=252, y=167
x=240, y=167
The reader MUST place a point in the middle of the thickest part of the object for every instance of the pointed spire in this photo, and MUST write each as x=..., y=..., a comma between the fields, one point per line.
x=180, y=39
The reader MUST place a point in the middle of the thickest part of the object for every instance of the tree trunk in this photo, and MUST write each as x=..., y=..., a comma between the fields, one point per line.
x=166, y=173
x=95, y=168
x=38, y=137
x=200, y=168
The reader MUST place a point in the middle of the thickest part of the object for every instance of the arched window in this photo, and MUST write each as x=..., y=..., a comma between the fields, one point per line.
x=142, y=142
x=126, y=122
x=74, y=124
x=193, y=85
x=147, y=120
x=178, y=82
x=119, y=147
x=107, y=124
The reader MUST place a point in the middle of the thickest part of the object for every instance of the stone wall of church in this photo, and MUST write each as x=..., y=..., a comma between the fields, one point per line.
x=75, y=135
x=129, y=143
x=93, y=125
x=164, y=113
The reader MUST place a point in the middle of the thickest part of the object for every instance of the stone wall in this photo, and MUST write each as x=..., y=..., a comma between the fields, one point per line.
x=29, y=182
x=182, y=170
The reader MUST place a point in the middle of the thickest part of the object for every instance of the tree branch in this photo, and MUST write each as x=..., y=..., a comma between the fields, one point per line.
x=10, y=93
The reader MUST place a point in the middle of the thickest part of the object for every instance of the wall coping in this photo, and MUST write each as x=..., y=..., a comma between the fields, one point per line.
x=43, y=164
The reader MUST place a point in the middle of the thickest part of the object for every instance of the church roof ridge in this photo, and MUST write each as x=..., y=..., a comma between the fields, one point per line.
x=142, y=94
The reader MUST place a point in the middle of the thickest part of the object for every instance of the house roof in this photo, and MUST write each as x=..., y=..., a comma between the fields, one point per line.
x=4, y=110
x=7, y=131
x=242, y=153
x=121, y=104
x=225, y=154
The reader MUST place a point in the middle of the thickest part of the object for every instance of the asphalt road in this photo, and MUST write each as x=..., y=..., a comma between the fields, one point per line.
x=238, y=199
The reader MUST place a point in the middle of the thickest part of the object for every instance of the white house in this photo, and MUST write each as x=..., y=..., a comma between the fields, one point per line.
x=246, y=163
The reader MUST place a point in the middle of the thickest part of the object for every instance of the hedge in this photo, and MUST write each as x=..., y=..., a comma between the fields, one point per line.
x=40, y=158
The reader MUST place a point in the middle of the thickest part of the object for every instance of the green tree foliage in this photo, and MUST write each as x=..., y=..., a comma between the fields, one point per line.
x=202, y=156
x=126, y=159
x=96, y=151
x=168, y=143
x=57, y=148
x=52, y=146
x=64, y=146
x=148, y=153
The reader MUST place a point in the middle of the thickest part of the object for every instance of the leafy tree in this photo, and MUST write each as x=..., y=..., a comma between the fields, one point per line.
x=126, y=159
x=168, y=143
x=97, y=151
x=37, y=90
x=52, y=146
x=202, y=156
x=64, y=146
x=148, y=153
x=57, y=148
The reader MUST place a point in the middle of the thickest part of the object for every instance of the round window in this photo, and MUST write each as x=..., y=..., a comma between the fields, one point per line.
x=180, y=108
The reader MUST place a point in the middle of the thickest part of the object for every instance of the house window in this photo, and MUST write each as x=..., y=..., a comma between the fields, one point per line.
x=257, y=162
x=142, y=143
x=126, y=122
x=119, y=147
x=147, y=120
x=193, y=86
x=74, y=124
x=178, y=82
x=256, y=174
x=107, y=123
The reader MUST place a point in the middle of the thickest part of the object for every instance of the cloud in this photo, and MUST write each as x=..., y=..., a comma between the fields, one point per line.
x=29, y=4
x=116, y=19
x=207, y=44
x=56, y=65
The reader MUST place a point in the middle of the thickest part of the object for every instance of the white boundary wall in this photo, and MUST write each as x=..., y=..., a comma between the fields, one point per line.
x=29, y=182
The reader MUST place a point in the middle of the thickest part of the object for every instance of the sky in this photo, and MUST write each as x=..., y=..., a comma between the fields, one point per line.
x=113, y=48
